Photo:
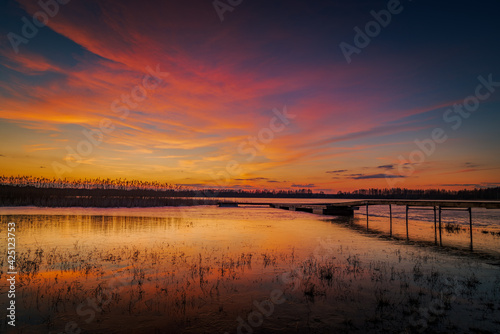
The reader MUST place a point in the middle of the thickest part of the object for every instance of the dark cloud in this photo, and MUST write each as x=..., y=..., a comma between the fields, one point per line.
x=459, y=185
x=488, y=184
x=196, y=185
x=386, y=167
x=376, y=176
x=475, y=185
x=310, y=185
x=205, y=186
x=337, y=171
x=253, y=179
x=238, y=186
x=471, y=165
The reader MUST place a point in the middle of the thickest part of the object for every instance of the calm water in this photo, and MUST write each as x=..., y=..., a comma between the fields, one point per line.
x=486, y=223
x=238, y=270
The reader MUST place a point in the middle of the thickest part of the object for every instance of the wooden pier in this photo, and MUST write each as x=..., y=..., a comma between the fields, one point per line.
x=347, y=209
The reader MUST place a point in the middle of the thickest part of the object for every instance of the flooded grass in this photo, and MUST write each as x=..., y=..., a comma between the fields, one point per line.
x=210, y=270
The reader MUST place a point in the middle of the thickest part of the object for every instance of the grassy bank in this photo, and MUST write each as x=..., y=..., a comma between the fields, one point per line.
x=100, y=198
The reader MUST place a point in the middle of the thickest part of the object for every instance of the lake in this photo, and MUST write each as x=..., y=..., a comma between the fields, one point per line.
x=206, y=269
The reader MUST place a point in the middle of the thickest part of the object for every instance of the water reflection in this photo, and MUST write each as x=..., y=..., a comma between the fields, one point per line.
x=209, y=270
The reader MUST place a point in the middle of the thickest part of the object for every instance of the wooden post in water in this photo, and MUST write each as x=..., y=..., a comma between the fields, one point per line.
x=367, y=216
x=470, y=226
x=407, y=235
x=435, y=228
x=440, y=237
x=390, y=216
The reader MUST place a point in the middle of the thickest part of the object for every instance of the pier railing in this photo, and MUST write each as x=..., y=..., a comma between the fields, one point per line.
x=347, y=209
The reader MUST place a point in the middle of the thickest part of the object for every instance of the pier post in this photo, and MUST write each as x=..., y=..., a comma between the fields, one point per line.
x=390, y=216
x=470, y=226
x=435, y=228
x=440, y=237
x=407, y=235
x=367, y=216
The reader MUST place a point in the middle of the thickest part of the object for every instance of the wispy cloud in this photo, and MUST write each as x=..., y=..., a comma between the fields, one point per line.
x=253, y=179
x=386, y=167
x=471, y=165
x=376, y=176
x=310, y=185
x=338, y=171
x=475, y=185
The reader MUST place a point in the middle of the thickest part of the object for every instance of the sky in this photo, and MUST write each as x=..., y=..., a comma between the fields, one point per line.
x=323, y=95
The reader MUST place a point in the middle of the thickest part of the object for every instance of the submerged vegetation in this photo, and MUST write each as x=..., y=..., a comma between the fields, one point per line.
x=453, y=228
x=162, y=286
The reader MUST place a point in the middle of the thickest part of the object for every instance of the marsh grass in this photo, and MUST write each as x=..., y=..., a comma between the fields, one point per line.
x=162, y=281
x=453, y=228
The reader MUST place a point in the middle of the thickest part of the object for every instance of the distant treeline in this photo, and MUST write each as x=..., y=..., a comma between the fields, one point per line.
x=101, y=188
x=15, y=195
x=395, y=193
x=402, y=193
x=102, y=198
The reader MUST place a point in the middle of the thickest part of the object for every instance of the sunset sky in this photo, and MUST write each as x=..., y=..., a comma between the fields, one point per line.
x=213, y=114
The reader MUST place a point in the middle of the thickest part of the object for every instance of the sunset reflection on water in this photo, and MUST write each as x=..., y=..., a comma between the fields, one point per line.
x=200, y=269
